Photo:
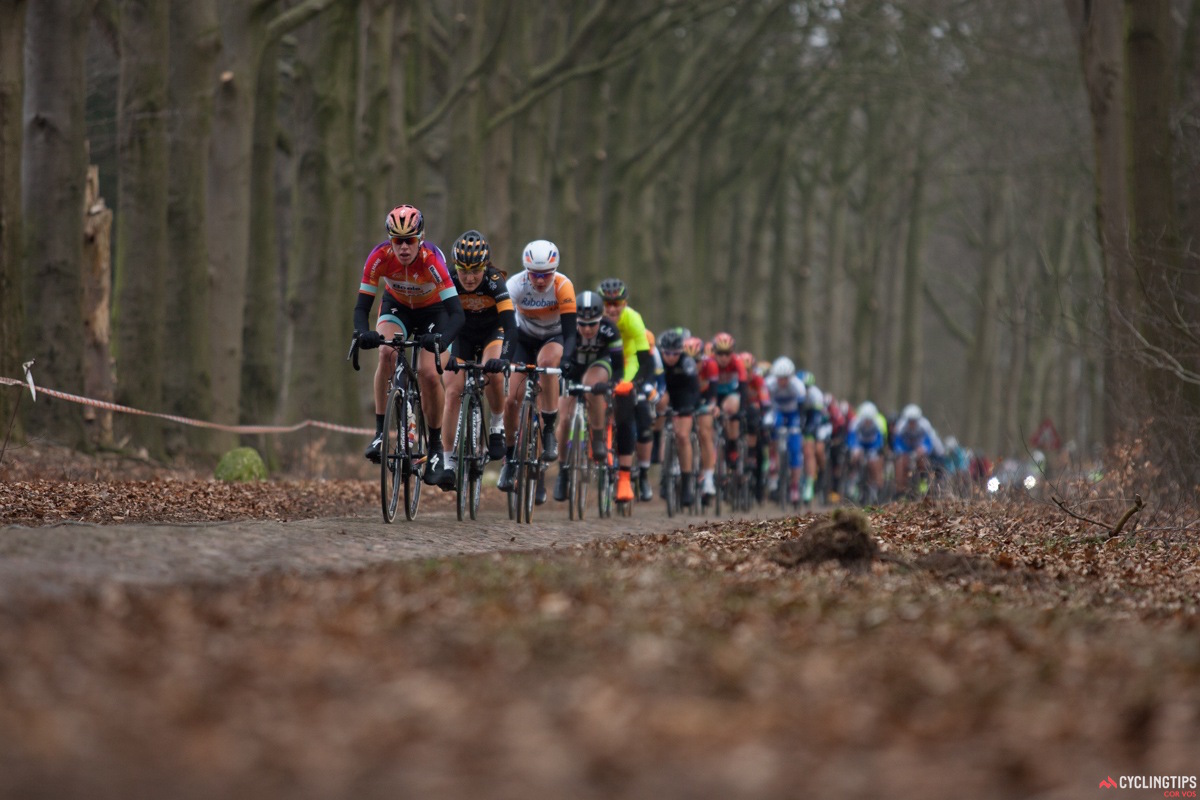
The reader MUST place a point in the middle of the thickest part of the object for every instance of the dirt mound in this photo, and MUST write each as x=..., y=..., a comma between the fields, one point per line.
x=844, y=536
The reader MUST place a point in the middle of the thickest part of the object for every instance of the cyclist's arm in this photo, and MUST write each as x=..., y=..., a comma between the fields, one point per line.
x=568, y=333
x=362, y=312
x=616, y=357
x=645, y=370
x=454, y=319
x=508, y=321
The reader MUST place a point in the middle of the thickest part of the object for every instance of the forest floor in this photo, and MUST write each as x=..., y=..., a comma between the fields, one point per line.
x=164, y=635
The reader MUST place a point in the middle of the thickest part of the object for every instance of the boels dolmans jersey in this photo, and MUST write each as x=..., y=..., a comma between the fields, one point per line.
x=483, y=306
x=423, y=283
x=539, y=313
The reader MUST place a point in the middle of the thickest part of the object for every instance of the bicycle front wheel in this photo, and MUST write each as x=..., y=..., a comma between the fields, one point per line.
x=417, y=436
x=526, y=485
x=393, y=451
x=462, y=454
x=477, y=458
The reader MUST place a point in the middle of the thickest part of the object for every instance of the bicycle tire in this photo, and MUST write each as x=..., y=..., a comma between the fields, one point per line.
x=526, y=479
x=722, y=476
x=694, y=438
x=392, y=454
x=418, y=455
x=462, y=469
x=575, y=462
x=478, y=457
x=670, y=470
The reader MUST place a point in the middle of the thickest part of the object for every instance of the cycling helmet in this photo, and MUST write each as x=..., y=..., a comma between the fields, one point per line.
x=693, y=346
x=471, y=251
x=613, y=289
x=783, y=368
x=671, y=341
x=404, y=221
x=540, y=256
x=589, y=308
x=867, y=409
x=722, y=343
x=747, y=358
x=911, y=411
x=806, y=377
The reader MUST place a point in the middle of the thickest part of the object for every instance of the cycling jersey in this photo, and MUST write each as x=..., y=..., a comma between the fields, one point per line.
x=787, y=397
x=539, y=312
x=867, y=433
x=486, y=303
x=916, y=434
x=422, y=284
x=722, y=382
x=683, y=384
x=605, y=345
x=633, y=340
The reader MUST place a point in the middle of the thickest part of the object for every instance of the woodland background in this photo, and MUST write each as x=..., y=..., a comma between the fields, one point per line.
x=987, y=207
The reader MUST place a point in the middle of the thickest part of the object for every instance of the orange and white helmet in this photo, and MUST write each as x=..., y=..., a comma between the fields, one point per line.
x=748, y=360
x=540, y=256
x=693, y=346
x=405, y=221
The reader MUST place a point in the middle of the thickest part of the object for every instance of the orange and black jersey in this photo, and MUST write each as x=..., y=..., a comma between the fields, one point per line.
x=485, y=307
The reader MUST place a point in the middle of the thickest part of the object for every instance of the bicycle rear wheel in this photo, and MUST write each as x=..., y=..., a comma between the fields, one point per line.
x=393, y=460
x=418, y=437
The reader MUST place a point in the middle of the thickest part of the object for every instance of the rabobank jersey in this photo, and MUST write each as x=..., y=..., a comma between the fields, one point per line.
x=787, y=396
x=539, y=313
x=423, y=283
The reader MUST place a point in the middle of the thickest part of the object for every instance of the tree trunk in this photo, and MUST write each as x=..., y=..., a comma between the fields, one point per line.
x=911, y=363
x=54, y=180
x=1099, y=28
x=141, y=219
x=12, y=80
x=981, y=358
x=97, y=312
x=187, y=381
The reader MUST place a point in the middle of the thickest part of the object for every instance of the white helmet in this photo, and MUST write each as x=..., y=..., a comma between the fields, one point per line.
x=867, y=409
x=540, y=256
x=911, y=411
x=783, y=368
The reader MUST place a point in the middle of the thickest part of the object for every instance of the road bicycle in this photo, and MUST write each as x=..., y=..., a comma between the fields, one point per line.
x=531, y=468
x=578, y=458
x=404, y=453
x=470, y=441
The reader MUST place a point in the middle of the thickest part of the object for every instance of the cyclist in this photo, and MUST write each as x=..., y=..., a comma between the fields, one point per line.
x=817, y=430
x=727, y=383
x=787, y=404
x=682, y=378
x=631, y=404
x=544, y=299
x=486, y=337
x=758, y=399
x=598, y=357
x=913, y=442
x=865, y=440
x=694, y=346
x=418, y=300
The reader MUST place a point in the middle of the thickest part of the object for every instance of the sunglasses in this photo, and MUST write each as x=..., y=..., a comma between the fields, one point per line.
x=398, y=240
x=670, y=353
x=541, y=276
x=587, y=324
x=614, y=303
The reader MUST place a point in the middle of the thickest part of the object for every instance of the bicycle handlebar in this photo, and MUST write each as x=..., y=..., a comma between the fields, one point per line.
x=398, y=343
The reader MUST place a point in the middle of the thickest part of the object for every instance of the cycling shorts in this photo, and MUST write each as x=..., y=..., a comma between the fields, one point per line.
x=526, y=347
x=469, y=345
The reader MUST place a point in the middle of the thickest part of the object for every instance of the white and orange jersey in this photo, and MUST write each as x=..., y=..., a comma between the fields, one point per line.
x=539, y=313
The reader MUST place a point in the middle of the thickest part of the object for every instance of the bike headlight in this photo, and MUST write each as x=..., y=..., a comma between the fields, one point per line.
x=1030, y=481
x=993, y=485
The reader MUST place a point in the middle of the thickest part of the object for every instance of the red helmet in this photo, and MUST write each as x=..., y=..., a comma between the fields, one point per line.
x=405, y=221
x=748, y=360
x=693, y=345
x=722, y=343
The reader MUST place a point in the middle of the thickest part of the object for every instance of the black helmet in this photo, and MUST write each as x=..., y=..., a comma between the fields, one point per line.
x=471, y=251
x=589, y=307
x=671, y=341
x=612, y=289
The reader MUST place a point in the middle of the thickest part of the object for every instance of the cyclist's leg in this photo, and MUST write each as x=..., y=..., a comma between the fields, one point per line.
x=730, y=405
x=599, y=372
x=454, y=382
x=550, y=355
x=708, y=454
x=494, y=384
x=624, y=413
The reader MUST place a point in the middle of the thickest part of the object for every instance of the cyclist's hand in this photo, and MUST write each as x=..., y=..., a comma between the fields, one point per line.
x=600, y=387
x=430, y=341
x=570, y=371
x=496, y=365
x=369, y=340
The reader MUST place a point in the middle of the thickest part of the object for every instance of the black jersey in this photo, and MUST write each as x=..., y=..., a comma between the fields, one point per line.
x=605, y=344
x=683, y=384
x=484, y=306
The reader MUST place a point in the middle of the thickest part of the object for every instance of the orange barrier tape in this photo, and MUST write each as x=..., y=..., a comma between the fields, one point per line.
x=308, y=423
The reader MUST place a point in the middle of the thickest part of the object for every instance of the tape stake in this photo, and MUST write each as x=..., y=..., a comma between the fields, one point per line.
x=29, y=380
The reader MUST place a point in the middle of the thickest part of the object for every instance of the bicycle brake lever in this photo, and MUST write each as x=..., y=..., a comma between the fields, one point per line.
x=352, y=356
